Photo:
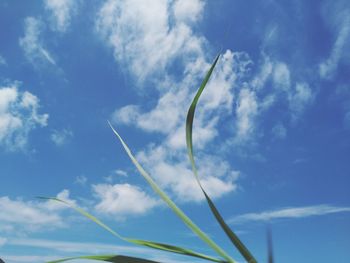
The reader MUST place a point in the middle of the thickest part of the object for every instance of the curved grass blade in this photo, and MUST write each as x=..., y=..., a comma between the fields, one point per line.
x=150, y=244
x=189, y=124
x=178, y=250
x=190, y=224
x=108, y=258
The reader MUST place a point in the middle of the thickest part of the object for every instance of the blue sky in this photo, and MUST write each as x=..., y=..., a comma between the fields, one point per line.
x=271, y=132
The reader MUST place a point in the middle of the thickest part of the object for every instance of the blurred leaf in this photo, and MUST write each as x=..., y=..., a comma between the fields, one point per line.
x=150, y=244
x=189, y=124
x=109, y=258
x=269, y=246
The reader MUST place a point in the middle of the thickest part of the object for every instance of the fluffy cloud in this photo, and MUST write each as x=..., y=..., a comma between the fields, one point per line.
x=27, y=216
x=185, y=10
x=291, y=212
x=143, y=35
x=32, y=44
x=148, y=40
x=18, y=116
x=170, y=168
x=62, y=11
x=122, y=200
x=171, y=171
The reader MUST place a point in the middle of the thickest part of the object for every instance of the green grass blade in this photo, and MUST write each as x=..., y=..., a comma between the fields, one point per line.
x=175, y=249
x=108, y=258
x=173, y=206
x=86, y=214
x=189, y=124
x=150, y=244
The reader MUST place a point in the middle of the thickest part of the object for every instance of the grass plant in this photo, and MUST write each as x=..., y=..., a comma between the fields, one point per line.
x=221, y=255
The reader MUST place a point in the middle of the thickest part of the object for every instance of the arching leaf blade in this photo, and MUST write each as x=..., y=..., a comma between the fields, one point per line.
x=150, y=244
x=189, y=126
x=190, y=224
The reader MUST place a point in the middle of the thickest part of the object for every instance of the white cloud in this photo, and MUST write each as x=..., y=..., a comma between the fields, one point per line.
x=278, y=74
x=264, y=74
x=185, y=10
x=281, y=76
x=147, y=38
x=291, y=212
x=299, y=98
x=246, y=111
x=143, y=36
x=52, y=205
x=171, y=171
x=121, y=200
x=61, y=137
x=31, y=42
x=62, y=11
x=18, y=116
x=120, y=172
x=127, y=114
x=18, y=216
x=337, y=17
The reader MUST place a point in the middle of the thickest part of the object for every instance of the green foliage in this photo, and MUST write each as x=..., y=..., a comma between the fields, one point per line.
x=185, y=219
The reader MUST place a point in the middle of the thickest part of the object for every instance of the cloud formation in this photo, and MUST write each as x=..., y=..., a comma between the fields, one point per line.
x=61, y=11
x=290, y=212
x=122, y=200
x=147, y=36
x=61, y=137
x=32, y=44
x=160, y=37
x=18, y=216
x=19, y=115
x=336, y=16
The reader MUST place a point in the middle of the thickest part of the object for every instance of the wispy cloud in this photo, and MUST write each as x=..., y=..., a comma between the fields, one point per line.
x=61, y=137
x=299, y=98
x=336, y=15
x=290, y=212
x=81, y=179
x=18, y=116
x=62, y=11
x=32, y=44
x=246, y=112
